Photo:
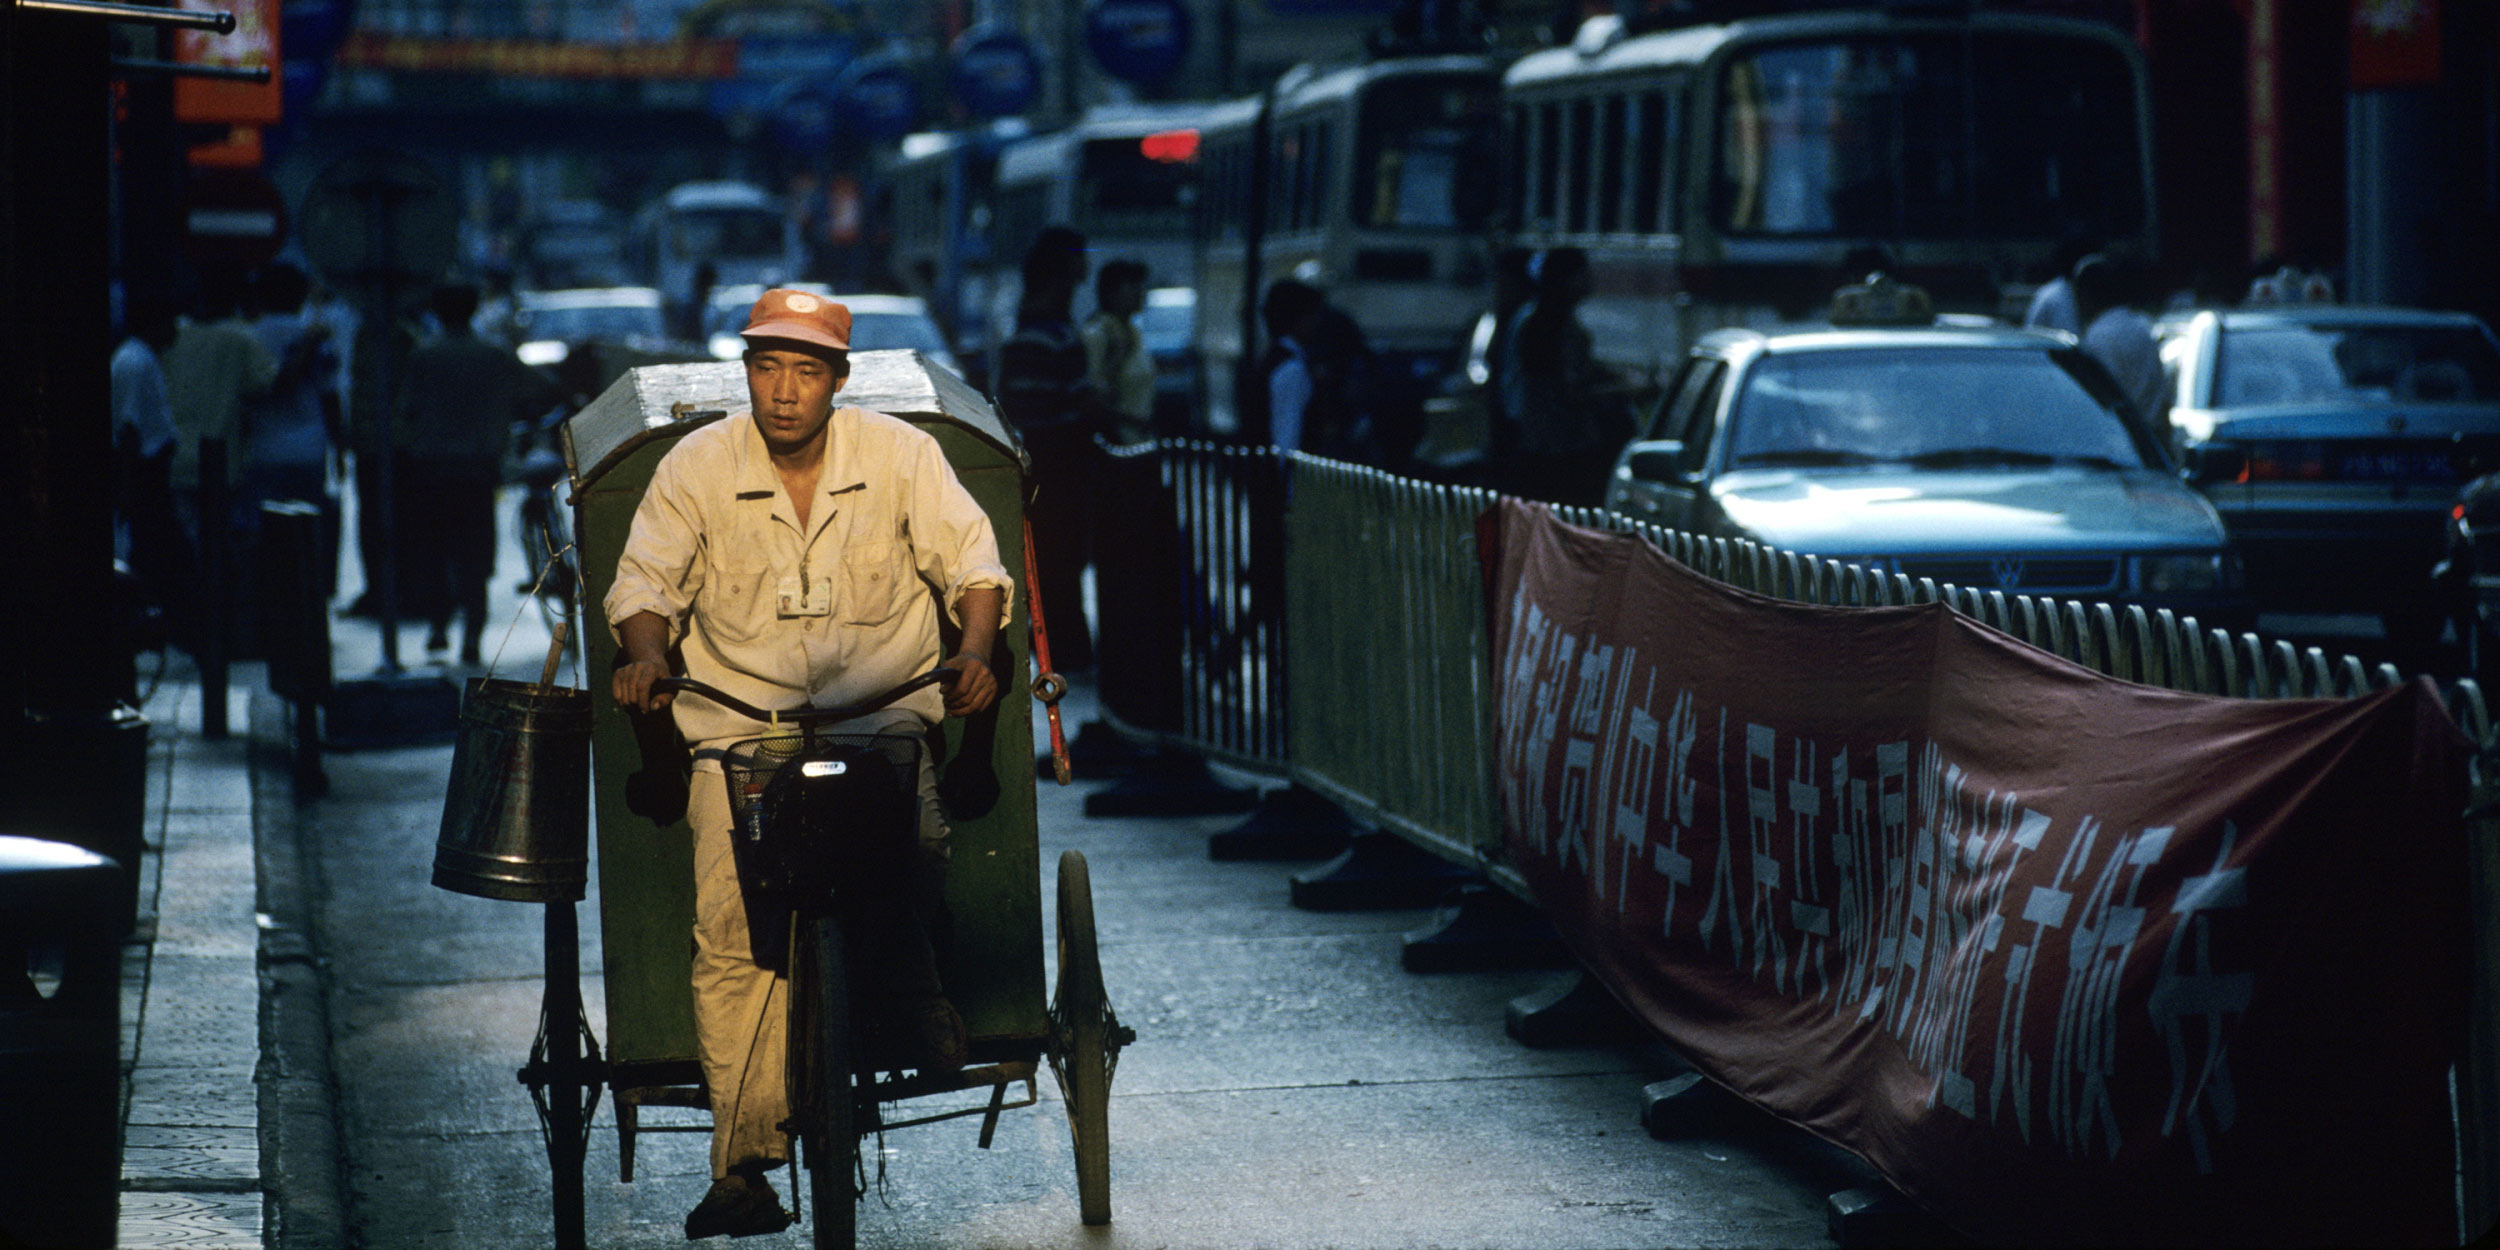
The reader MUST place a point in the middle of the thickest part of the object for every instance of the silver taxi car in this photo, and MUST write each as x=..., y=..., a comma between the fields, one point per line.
x=2334, y=440
x=1991, y=458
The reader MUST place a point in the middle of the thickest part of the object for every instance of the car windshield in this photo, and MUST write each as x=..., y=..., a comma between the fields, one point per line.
x=1934, y=407
x=593, y=321
x=2322, y=363
x=872, y=331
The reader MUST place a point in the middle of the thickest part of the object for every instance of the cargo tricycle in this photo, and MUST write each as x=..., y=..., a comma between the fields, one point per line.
x=846, y=1084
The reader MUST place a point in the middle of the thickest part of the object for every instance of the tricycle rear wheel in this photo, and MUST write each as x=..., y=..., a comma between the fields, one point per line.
x=821, y=1081
x=1083, y=1015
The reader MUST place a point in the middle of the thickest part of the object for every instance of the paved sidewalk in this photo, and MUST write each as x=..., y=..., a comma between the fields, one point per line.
x=191, y=1044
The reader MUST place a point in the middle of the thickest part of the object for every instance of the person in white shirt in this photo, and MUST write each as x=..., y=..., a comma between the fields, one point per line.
x=2121, y=338
x=2053, y=305
x=864, y=528
x=1115, y=352
x=147, y=534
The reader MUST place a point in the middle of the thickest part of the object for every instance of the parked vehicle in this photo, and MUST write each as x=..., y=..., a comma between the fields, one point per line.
x=732, y=230
x=586, y=337
x=2334, y=440
x=1991, y=458
x=1722, y=171
x=573, y=243
x=1372, y=180
x=1169, y=326
x=2467, y=577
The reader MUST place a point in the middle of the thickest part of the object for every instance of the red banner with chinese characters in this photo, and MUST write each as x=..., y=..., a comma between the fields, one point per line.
x=2073, y=961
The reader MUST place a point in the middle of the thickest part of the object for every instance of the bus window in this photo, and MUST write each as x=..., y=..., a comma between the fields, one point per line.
x=1121, y=182
x=1317, y=194
x=1286, y=178
x=1548, y=165
x=1610, y=169
x=1579, y=189
x=1881, y=136
x=1515, y=142
x=2056, y=121
x=1649, y=155
x=1424, y=146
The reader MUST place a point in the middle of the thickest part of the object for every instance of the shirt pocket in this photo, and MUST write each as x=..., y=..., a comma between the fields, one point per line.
x=739, y=586
x=877, y=581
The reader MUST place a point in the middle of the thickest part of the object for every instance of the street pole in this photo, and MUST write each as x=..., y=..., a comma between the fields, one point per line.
x=76, y=767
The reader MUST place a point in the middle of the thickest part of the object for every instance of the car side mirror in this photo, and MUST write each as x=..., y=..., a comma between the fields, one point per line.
x=2212, y=462
x=1655, y=460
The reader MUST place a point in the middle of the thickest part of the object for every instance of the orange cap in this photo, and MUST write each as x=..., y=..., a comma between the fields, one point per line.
x=800, y=316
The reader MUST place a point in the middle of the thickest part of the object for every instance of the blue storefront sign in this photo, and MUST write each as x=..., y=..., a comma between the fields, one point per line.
x=1138, y=41
x=768, y=64
x=879, y=101
x=803, y=115
x=996, y=72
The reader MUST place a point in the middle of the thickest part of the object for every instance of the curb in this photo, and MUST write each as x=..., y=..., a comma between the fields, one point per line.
x=301, y=1160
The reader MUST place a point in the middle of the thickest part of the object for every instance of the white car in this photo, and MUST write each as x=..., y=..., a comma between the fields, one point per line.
x=551, y=325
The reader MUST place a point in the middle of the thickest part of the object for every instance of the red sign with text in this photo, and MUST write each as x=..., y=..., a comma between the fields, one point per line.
x=2073, y=961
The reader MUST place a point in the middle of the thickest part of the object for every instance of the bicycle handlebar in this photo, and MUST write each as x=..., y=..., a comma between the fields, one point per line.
x=803, y=715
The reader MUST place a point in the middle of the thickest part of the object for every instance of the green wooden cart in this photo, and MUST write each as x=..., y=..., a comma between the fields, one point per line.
x=993, y=965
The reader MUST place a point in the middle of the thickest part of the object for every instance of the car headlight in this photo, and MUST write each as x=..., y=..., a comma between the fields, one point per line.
x=544, y=352
x=727, y=346
x=2181, y=574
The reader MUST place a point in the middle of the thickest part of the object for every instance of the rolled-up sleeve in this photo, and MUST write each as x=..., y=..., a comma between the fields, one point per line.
x=952, y=540
x=660, y=570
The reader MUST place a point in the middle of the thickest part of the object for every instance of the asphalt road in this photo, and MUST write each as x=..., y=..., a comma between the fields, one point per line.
x=1291, y=1086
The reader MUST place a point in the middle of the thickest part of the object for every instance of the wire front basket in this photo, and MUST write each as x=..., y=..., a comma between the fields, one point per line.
x=809, y=811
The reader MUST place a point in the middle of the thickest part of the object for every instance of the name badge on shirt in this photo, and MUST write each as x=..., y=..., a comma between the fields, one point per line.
x=798, y=598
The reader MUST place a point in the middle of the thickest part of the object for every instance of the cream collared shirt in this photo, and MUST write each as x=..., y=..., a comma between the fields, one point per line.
x=893, y=539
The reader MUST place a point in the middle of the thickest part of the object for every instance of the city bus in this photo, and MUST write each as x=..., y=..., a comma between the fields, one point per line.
x=1730, y=173
x=1370, y=180
x=933, y=197
x=1126, y=175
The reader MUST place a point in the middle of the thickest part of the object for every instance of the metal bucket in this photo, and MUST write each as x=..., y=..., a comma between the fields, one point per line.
x=516, y=821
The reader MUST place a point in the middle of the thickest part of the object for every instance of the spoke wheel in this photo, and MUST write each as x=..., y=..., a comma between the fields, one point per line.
x=820, y=1082
x=1087, y=1039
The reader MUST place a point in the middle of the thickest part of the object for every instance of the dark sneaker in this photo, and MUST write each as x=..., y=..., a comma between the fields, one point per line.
x=944, y=1046
x=739, y=1206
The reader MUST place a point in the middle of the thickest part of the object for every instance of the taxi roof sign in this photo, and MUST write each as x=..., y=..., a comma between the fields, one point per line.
x=1882, y=300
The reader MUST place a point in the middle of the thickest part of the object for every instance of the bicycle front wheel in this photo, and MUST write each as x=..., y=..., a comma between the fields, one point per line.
x=1084, y=1015
x=821, y=1095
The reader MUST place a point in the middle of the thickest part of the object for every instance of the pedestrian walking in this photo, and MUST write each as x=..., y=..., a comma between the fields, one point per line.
x=735, y=509
x=1115, y=352
x=147, y=534
x=293, y=430
x=1569, y=410
x=2121, y=337
x=213, y=367
x=456, y=413
x=377, y=371
x=2052, y=306
x=1046, y=390
x=1320, y=371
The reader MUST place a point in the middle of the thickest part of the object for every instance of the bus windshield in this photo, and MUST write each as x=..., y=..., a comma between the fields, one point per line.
x=1939, y=136
x=741, y=233
x=1125, y=184
x=1426, y=153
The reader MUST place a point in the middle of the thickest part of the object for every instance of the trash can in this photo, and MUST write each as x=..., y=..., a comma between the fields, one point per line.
x=60, y=1045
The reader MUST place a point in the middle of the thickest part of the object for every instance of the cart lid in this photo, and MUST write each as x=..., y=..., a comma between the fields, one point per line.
x=665, y=401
